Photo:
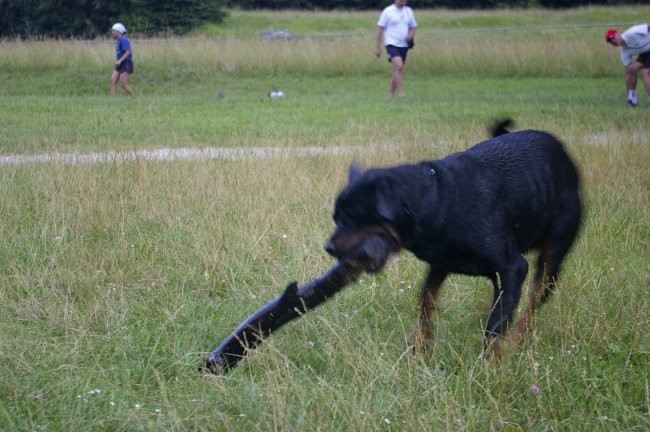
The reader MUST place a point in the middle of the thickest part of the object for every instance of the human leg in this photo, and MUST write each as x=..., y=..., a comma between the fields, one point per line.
x=124, y=83
x=397, y=79
x=115, y=76
x=645, y=77
x=631, y=73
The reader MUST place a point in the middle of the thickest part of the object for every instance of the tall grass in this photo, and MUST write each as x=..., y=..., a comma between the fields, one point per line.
x=486, y=54
x=117, y=278
x=508, y=43
x=120, y=278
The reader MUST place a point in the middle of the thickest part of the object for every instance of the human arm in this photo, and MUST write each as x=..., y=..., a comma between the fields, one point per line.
x=126, y=54
x=626, y=56
x=411, y=34
x=124, y=47
x=378, y=40
x=412, y=25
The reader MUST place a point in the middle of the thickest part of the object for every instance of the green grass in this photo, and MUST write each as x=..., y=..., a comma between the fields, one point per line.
x=517, y=43
x=253, y=23
x=121, y=277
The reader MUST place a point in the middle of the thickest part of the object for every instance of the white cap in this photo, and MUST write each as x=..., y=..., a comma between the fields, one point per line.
x=119, y=27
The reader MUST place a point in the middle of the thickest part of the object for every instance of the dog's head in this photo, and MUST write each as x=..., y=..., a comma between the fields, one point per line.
x=367, y=215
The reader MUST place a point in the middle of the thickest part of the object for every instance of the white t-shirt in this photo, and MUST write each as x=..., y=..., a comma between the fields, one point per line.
x=637, y=39
x=396, y=22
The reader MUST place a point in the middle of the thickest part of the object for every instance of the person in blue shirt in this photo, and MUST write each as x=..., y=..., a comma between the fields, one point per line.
x=123, y=60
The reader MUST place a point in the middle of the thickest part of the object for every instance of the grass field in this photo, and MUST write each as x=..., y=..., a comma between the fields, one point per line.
x=118, y=277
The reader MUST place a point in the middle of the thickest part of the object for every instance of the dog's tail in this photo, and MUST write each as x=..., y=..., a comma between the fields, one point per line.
x=499, y=127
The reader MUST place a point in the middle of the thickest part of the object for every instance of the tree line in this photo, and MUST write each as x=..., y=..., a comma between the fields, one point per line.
x=420, y=4
x=92, y=18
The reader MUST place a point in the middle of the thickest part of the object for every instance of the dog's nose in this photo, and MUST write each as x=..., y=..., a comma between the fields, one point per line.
x=330, y=248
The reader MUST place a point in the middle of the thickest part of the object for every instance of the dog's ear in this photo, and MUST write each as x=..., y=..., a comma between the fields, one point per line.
x=389, y=202
x=354, y=173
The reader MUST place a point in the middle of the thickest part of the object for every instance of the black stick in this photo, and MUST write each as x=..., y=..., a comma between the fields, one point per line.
x=293, y=302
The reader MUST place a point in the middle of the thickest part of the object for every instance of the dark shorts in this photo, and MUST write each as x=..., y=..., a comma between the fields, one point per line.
x=644, y=59
x=393, y=51
x=125, y=66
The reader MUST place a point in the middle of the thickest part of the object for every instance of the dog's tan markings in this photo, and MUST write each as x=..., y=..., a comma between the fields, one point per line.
x=428, y=302
x=542, y=287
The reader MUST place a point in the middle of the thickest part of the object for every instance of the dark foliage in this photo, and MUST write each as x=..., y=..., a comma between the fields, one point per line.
x=418, y=4
x=563, y=4
x=91, y=18
x=177, y=16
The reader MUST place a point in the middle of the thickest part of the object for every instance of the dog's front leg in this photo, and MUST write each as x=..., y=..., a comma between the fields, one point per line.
x=506, y=299
x=423, y=334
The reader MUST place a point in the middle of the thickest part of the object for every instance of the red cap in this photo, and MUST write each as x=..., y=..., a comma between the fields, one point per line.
x=610, y=34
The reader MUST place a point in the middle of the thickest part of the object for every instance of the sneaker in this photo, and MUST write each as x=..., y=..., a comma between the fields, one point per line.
x=632, y=102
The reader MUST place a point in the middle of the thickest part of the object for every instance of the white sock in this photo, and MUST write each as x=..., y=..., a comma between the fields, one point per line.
x=631, y=95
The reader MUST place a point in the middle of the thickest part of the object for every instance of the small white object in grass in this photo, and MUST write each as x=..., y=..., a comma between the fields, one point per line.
x=275, y=94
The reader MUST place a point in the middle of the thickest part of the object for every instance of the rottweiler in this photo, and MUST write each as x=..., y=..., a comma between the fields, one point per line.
x=474, y=213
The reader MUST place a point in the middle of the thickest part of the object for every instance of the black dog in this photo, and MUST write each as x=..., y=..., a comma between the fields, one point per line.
x=472, y=213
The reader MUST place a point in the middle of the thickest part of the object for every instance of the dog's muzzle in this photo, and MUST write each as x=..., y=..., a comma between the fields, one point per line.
x=371, y=250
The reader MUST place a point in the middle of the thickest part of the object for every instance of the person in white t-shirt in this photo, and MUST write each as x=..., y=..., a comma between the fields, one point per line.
x=633, y=41
x=396, y=28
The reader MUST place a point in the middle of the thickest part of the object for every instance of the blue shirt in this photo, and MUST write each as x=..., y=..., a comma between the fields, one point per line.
x=123, y=45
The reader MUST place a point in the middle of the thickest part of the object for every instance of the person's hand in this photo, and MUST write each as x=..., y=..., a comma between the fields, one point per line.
x=378, y=52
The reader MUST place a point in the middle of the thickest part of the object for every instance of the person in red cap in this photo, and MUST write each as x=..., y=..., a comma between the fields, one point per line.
x=633, y=41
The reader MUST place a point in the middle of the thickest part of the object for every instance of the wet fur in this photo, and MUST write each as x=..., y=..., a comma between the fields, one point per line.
x=473, y=213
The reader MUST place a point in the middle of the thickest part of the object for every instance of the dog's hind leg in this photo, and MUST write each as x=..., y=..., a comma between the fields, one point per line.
x=505, y=300
x=428, y=303
x=544, y=284
x=551, y=255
